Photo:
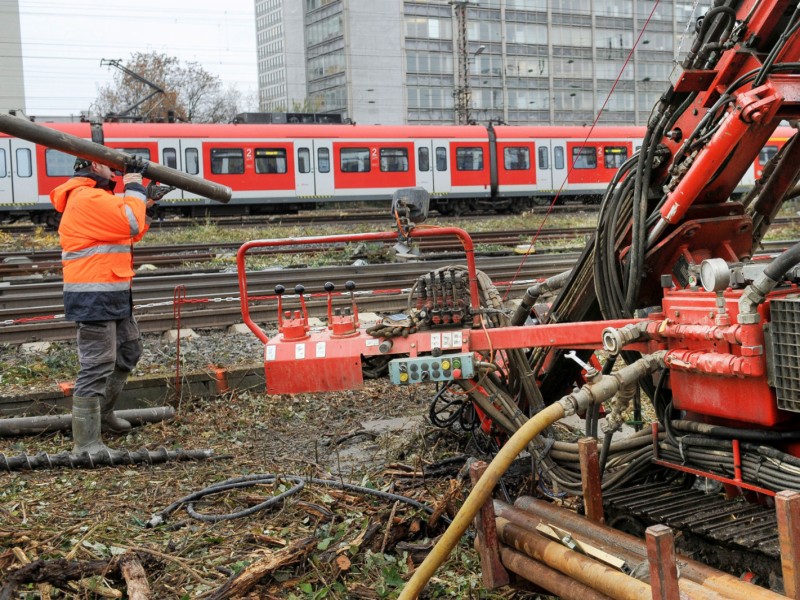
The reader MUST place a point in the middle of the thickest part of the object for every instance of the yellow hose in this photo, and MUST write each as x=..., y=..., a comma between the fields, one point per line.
x=478, y=496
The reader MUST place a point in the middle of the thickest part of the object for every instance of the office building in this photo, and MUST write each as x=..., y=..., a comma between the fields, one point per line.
x=529, y=61
x=12, y=92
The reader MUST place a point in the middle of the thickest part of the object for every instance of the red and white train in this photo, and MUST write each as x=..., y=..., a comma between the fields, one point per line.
x=278, y=168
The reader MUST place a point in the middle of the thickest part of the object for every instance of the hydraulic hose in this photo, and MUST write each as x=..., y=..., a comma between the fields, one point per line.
x=478, y=496
x=601, y=388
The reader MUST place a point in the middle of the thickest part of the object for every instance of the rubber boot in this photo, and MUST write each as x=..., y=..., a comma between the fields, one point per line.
x=114, y=384
x=86, y=425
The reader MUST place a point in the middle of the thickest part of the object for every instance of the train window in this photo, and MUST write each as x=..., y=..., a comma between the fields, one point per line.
x=3, y=170
x=584, y=158
x=614, y=156
x=142, y=153
x=24, y=165
x=324, y=160
x=355, y=160
x=169, y=158
x=273, y=160
x=558, y=157
x=303, y=160
x=516, y=158
x=441, y=159
x=424, y=159
x=394, y=160
x=766, y=154
x=469, y=159
x=58, y=164
x=544, y=158
x=227, y=161
x=192, y=158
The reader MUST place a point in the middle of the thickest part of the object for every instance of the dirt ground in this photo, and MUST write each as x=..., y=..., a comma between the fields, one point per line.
x=320, y=543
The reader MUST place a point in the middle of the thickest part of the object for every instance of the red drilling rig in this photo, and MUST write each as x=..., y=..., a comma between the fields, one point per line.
x=669, y=289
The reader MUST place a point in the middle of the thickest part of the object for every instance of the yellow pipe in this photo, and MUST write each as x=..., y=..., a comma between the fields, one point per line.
x=478, y=496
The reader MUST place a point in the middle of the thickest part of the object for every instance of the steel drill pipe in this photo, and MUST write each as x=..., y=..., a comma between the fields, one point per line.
x=633, y=550
x=42, y=460
x=51, y=423
x=27, y=130
x=528, y=522
x=547, y=578
x=587, y=571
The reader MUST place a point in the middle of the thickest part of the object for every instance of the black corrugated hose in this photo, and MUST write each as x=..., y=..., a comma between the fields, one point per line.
x=269, y=479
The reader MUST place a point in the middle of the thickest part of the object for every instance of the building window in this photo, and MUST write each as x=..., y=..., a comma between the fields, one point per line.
x=273, y=160
x=614, y=156
x=227, y=161
x=516, y=158
x=584, y=158
x=324, y=160
x=355, y=160
x=394, y=160
x=24, y=163
x=57, y=164
x=191, y=156
x=469, y=159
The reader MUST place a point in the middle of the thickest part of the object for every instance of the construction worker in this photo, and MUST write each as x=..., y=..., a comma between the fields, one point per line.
x=97, y=233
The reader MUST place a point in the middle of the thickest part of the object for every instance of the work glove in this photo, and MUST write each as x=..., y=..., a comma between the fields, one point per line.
x=134, y=169
x=157, y=192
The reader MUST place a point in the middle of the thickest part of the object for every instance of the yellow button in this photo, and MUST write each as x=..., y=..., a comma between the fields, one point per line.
x=403, y=377
x=446, y=365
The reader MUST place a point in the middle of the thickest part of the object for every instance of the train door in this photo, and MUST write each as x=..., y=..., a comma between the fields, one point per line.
x=6, y=196
x=304, y=169
x=23, y=170
x=544, y=165
x=424, y=164
x=441, y=168
x=169, y=155
x=558, y=165
x=323, y=156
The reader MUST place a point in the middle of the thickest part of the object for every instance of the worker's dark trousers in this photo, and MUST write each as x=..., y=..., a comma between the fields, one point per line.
x=102, y=347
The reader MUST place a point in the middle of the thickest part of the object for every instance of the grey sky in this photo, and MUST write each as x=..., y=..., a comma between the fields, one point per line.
x=63, y=42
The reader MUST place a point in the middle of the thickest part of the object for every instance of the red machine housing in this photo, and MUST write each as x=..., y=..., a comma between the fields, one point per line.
x=720, y=371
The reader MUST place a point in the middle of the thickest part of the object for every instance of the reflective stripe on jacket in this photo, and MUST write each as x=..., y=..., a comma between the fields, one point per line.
x=97, y=233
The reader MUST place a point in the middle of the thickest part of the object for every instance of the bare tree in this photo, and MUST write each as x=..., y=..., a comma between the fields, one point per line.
x=190, y=92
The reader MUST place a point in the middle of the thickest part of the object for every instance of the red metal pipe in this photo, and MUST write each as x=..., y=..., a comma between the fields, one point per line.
x=714, y=363
x=466, y=242
x=737, y=461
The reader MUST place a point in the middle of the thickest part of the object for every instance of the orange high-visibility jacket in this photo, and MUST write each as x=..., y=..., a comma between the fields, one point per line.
x=97, y=232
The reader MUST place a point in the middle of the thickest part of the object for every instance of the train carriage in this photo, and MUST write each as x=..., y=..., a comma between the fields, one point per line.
x=280, y=168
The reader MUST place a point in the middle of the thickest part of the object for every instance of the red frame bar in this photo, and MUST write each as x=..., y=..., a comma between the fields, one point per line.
x=382, y=236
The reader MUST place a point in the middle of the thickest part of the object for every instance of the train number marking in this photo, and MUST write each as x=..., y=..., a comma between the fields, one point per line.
x=299, y=351
x=270, y=352
x=320, y=350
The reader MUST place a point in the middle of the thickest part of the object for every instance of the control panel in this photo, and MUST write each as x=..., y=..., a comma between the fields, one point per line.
x=447, y=367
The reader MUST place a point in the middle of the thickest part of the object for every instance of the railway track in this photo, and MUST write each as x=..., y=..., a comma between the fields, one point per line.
x=27, y=309
x=44, y=262
x=302, y=218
